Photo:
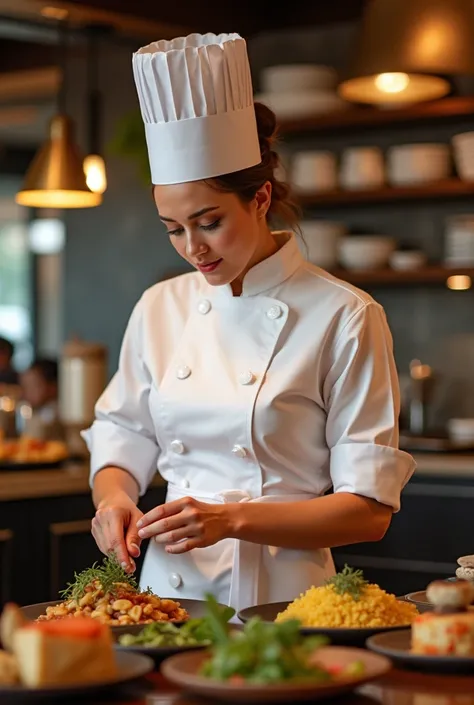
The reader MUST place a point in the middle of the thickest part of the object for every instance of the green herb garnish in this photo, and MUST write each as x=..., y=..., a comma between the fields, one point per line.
x=349, y=581
x=109, y=574
x=262, y=652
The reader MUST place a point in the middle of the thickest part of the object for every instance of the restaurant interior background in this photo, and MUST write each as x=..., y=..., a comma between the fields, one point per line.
x=68, y=273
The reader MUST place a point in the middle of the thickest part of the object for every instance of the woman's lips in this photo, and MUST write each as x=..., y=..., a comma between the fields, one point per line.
x=211, y=267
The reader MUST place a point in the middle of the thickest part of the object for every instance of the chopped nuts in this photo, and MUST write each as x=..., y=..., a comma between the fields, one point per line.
x=122, y=605
x=135, y=613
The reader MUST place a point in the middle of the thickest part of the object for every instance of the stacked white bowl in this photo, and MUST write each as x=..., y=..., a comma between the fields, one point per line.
x=295, y=91
x=459, y=240
x=321, y=241
x=364, y=252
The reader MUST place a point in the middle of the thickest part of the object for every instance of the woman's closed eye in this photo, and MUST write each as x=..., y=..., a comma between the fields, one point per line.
x=207, y=227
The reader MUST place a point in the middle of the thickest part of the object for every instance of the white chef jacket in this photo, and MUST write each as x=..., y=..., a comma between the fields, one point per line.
x=276, y=395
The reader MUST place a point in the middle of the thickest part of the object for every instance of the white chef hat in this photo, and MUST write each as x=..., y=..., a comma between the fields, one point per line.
x=196, y=101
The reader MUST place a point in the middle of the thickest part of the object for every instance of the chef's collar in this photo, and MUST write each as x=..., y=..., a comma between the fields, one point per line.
x=272, y=271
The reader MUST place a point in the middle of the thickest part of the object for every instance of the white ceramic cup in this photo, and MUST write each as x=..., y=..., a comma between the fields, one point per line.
x=314, y=171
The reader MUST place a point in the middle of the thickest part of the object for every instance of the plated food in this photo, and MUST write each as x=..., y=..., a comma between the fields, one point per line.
x=270, y=661
x=194, y=632
x=439, y=640
x=111, y=596
x=449, y=628
x=25, y=450
x=465, y=570
x=349, y=601
x=62, y=656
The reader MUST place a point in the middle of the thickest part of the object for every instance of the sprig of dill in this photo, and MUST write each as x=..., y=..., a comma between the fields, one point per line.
x=108, y=575
x=349, y=581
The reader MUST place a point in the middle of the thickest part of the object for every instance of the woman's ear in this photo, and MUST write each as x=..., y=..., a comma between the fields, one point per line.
x=263, y=199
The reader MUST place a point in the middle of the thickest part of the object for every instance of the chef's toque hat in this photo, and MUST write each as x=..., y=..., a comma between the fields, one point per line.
x=196, y=101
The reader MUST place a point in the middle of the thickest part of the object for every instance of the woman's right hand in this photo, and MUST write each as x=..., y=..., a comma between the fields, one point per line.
x=114, y=529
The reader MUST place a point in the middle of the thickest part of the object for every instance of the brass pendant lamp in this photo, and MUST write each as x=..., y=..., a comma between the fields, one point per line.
x=407, y=49
x=56, y=178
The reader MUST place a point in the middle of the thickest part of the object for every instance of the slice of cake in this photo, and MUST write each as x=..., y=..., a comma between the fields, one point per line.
x=443, y=634
x=449, y=629
x=64, y=652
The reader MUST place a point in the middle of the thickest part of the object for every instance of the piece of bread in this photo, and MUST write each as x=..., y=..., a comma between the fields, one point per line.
x=444, y=594
x=64, y=652
x=12, y=619
x=443, y=634
x=466, y=561
x=8, y=669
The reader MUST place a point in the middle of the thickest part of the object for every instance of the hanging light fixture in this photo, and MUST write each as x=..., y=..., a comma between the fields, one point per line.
x=407, y=50
x=56, y=176
x=94, y=165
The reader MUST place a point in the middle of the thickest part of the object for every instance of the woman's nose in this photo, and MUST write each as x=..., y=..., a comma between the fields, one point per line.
x=195, y=246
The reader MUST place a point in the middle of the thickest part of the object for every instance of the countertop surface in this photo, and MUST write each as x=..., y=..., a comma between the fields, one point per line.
x=397, y=688
x=73, y=479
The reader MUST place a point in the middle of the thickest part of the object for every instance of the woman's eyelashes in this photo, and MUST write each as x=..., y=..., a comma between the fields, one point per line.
x=212, y=226
x=206, y=227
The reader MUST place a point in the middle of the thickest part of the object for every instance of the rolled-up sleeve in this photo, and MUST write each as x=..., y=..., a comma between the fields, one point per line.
x=362, y=398
x=123, y=433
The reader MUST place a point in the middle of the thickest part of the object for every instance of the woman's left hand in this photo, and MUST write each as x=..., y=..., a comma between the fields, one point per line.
x=185, y=524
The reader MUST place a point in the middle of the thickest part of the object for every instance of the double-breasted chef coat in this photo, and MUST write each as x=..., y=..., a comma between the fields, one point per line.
x=273, y=396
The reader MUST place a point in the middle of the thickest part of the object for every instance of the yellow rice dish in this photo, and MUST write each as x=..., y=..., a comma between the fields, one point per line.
x=348, y=601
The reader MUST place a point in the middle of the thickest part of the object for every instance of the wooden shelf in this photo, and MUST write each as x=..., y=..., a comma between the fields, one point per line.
x=360, y=118
x=448, y=188
x=435, y=274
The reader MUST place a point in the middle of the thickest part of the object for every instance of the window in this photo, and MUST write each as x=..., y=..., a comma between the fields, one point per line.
x=16, y=280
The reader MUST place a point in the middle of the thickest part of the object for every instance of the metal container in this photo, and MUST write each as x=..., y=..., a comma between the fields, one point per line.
x=82, y=379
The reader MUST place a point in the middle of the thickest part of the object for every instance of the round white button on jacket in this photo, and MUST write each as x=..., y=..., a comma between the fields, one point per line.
x=184, y=484
x=183, y=372
x=274, y=312
x=175, y=580
x=204, y=307
x=177, y=447
x=247, y=377
x=239, y=452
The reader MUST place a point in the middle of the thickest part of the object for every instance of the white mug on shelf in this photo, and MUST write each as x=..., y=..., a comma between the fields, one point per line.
x=362, y=168
x=314, y=171
x=463, y=145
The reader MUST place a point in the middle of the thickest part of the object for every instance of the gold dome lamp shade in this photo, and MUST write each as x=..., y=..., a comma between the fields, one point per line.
x=56, y=178
x=407, y=50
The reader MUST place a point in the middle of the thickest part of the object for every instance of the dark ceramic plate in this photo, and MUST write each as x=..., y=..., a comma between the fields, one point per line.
x=183, y=670
x=160, y=653
x=195, y=609
x=157, y=653
x=343, y=636
x=396, y=646
x=130, y=667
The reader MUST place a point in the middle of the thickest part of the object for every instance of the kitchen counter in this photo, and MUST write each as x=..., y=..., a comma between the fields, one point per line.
x=74, y=478
x=397, y=688
x=445, y=464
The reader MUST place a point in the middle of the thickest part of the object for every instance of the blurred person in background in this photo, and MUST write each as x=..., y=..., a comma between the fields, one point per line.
x=39, y=385
x=8, y=374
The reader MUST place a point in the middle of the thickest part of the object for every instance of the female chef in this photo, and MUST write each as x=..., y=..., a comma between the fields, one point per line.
x=253, y=385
